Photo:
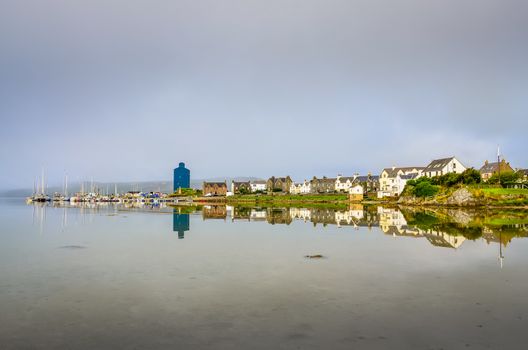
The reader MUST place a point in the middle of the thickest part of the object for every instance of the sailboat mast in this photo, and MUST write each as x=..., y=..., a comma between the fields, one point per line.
x=66, y=185
x=42, y=189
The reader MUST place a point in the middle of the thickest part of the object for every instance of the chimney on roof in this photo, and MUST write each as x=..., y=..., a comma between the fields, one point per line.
x=486, y=162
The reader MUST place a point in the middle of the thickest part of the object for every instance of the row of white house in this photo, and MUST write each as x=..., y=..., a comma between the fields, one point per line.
x=340, y=184
x=393, y=180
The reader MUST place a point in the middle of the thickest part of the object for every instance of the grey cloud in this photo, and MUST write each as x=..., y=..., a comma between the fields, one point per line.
x=323, y=86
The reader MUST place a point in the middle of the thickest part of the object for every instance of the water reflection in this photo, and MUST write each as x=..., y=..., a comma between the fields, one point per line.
x=392, y=278
x=180, y=223
x=448, y=228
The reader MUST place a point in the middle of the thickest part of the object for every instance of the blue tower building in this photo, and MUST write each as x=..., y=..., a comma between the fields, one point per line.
x=182, y=177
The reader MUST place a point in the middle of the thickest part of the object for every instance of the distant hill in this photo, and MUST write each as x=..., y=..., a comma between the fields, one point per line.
x=145, y=186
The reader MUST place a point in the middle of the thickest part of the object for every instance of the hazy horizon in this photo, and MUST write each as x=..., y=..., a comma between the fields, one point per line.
x=123, y=91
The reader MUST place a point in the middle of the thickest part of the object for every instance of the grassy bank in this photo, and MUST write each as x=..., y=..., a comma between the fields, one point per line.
x=337, y=201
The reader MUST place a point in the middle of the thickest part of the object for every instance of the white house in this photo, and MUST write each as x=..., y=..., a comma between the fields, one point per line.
x=301, y=188
x=306, y=187
x=344, y=183
x=443, y=166
x=258, y=185
x=356, y=189
x=295, y=188
x=393, y=180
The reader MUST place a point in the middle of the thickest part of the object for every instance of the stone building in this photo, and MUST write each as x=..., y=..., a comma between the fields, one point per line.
x=240, y=187
x=279, y=184
x=490, y=169
x=323, y=185
x=214, y=188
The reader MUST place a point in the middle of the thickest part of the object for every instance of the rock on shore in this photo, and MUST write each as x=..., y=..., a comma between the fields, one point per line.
x=462, y=197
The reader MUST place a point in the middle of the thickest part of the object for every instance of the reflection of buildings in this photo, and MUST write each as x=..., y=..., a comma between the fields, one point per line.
x=442, y=239
x=393, y=222
x=303, y=214
x=241, y=213
x=258, y=214
x=323, y=216
x=351, y=217
x=246, y=213
x=214, y=212
x=391, y=219
x=278, y=216
x=180, y=223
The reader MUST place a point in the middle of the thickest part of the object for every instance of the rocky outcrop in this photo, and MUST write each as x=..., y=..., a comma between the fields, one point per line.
x=409, y=200
x=462, y=197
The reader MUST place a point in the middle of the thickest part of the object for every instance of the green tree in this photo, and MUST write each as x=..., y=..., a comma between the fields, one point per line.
x=505, y=177
x=425, y=189
x=471, y=176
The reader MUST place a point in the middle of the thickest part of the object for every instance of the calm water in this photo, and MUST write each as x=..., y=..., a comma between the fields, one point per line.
x=111, y=277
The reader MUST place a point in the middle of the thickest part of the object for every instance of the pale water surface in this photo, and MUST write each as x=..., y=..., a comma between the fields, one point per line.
x=108, y=277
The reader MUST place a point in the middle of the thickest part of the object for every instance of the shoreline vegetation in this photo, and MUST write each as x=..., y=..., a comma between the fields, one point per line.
x=445, y=196
x=465, y=190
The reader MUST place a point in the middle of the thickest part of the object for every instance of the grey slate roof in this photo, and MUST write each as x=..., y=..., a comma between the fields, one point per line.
x=220, y=184
x=239, y=183
x=438, y=164
x=345, y=178
x=283, y=179
x=365, y=178
x=393, y=172
x=490, y=168
x=327, y=180
x=409, y=176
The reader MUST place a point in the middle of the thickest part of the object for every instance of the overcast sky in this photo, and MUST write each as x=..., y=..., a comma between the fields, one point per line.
x=123, y=90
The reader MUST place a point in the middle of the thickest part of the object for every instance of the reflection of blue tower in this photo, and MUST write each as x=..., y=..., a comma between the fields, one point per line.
x=182, y=177
x=180, y=223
